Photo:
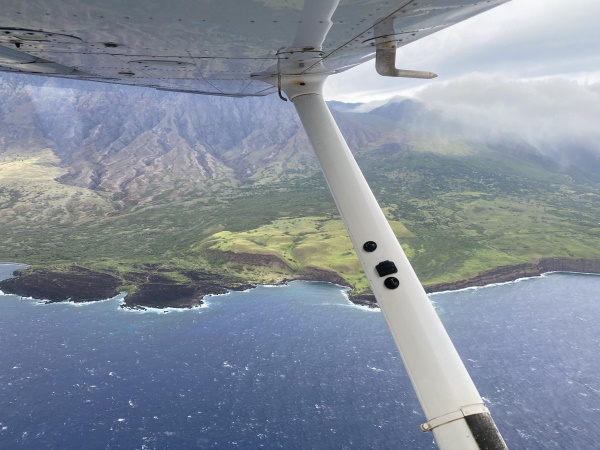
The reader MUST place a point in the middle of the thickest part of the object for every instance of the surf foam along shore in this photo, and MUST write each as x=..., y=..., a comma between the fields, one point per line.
x=504, y=274
x=155, y=290
x=513, y=272
x=79, y=284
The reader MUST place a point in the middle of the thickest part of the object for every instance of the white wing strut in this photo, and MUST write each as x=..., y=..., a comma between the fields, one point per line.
x=454, y=409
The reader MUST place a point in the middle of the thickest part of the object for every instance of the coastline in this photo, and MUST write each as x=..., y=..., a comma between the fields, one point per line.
x=79, y=284
x=153, y=290
x=503, y=274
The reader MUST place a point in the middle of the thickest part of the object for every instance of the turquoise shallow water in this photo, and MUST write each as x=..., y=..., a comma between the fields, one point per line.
x=292, y=367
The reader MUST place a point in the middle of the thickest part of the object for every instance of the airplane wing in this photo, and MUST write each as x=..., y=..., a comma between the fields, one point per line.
x=224, y=47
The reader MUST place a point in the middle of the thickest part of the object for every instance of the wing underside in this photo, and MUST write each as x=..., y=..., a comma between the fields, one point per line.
x=225, y=47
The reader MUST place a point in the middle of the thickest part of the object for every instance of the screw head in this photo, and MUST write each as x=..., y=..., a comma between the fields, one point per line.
x=369, y=246
x=391, y=283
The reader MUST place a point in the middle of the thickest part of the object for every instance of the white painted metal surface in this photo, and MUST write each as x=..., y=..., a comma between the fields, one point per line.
x=439, y=377
x=220, y=45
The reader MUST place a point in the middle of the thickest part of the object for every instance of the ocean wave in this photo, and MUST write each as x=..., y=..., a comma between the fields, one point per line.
x=224, y=294
x=273, y=285
x=68, y=302
x=150, y=310
x=147, y=310
x=245, y=290
x=573, y=273
x=118, y=297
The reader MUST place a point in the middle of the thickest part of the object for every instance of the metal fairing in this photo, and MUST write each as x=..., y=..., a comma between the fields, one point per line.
x=224, y=47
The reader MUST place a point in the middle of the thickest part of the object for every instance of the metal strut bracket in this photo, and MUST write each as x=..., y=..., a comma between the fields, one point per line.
x=279, y=80
x=385, y=63
x=478, y=408
x=385, y=56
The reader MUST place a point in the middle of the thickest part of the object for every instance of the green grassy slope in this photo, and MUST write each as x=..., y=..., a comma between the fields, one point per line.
x=458, y=209
x=473, y=209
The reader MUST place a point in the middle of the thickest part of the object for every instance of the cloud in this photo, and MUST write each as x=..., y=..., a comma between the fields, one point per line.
x=540, y=111
x=527, y=38
x=521, y=39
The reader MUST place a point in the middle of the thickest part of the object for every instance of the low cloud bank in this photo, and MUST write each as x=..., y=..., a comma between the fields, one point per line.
x=543, y=111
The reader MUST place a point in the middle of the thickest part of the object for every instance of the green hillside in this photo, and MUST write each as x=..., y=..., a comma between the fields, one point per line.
x=456, y=214
x=245, y=199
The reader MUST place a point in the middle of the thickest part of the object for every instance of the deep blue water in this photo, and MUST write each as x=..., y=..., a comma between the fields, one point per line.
x=292, y=367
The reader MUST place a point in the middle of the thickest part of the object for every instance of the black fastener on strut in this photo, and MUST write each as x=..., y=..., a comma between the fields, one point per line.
x=370, y=246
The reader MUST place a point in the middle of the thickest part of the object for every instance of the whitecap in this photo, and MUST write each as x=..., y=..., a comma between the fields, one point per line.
x=91, y=302
x=247, y=290
x=224, y=294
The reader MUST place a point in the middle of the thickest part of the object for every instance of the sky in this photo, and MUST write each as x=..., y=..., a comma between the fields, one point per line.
x=520, y=40
x=530, y=67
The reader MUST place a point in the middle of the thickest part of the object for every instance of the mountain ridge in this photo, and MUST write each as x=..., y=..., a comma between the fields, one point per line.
x=115, y=178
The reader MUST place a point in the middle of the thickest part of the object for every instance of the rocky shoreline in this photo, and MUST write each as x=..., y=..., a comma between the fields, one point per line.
x=513, y=272
x=504, y=274
x=155, y=290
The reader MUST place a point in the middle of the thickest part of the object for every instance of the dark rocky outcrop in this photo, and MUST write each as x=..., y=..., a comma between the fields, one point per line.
x=364, y=300
x=76, y=285
x=160, y=291
x=169, y=295
x=328, y=276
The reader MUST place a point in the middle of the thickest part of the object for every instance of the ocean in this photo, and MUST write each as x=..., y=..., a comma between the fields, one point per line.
x=294, y=366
